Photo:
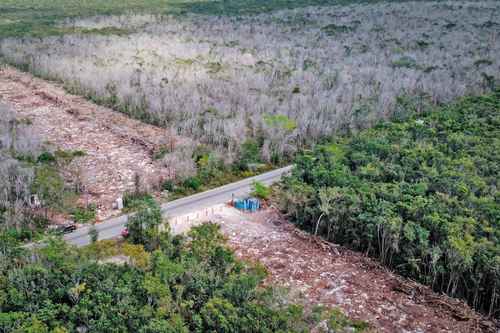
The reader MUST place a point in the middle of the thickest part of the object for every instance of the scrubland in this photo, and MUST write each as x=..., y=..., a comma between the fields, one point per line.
x=286, y=79
x=15, y=178
x=253, y=84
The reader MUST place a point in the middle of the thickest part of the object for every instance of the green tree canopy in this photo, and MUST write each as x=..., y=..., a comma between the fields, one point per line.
x=421, y=194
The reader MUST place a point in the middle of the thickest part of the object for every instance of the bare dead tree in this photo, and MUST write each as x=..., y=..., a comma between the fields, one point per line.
x=329, y=69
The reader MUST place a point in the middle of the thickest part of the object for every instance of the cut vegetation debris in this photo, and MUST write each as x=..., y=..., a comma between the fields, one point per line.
x=116, y=148
x=321, y=273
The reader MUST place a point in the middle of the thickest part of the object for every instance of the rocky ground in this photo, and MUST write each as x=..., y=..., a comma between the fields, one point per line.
x=322, y=273
x=116, y=147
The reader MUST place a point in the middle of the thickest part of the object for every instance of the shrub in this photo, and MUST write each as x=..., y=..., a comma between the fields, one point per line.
x=193, y=183
x=161, y=152
x=137, y=200
x=143, y=226
x=46, y=157
x=68, y=155
x=138, y=256
x=249, y=154
x=94, y=234
x=261, y=191
x=168, y=185
x=84, y=214
x=334, y=29
x=219, y=315
x=405, y=62
x=337, y=321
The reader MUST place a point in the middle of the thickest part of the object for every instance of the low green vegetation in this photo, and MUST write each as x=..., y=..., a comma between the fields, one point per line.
x=20, y=18
x=133, y=201
x=420, y=194
x=84, y=214
x=261, y=191
x=31, y=227
x=249, y=156
x=196, y=184
x=405, y=62
x=37, y=191
x=52, y=190
x=48, y=183
x=164, y=284
x=333, y=29
x=212, y=172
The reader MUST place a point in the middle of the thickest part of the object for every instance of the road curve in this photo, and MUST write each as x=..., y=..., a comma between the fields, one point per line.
x=113, y=227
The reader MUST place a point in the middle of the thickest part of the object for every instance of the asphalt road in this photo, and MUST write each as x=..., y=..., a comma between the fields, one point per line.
x=113, y=227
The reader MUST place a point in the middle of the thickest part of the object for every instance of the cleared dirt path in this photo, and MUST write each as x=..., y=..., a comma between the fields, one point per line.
x=324, y=274
x=116, y=146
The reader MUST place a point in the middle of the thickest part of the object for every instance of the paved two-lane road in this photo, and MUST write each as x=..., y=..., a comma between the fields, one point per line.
x=113, y=227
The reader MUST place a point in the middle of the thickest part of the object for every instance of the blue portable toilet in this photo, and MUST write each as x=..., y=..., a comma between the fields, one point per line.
x=253, y=204
x=239, y=204
x=247, y=204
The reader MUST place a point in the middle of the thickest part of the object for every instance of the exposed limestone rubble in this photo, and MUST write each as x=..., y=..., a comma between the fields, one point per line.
x=318, y=272
x=116, y=147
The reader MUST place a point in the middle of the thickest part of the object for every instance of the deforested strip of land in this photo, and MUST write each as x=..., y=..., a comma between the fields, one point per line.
x=319, y=272
x=116, y=149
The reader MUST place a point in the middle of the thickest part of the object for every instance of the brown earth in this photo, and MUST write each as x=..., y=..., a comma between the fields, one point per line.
x=323, y=273
x=116, y=147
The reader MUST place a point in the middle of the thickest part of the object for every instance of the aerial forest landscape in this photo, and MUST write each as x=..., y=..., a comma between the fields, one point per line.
x=249, y=166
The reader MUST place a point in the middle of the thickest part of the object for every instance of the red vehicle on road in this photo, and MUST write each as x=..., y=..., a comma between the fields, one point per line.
x=125, y=233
